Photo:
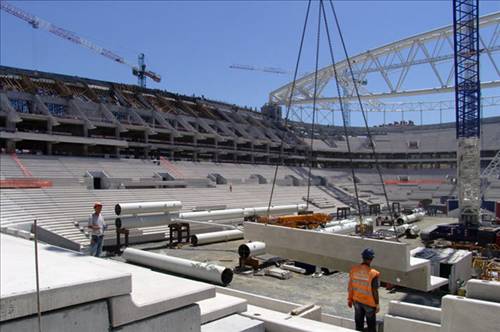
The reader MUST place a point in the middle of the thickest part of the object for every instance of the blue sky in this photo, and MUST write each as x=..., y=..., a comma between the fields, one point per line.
x=193, y=43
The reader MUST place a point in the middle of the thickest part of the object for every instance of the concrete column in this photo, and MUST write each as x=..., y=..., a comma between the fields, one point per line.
x=117, y=152
x=85, y=150
x=49, y=148
x=11, y=146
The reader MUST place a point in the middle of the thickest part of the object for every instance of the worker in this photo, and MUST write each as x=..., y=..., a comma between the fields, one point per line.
x=97, y=227
x=363, y=292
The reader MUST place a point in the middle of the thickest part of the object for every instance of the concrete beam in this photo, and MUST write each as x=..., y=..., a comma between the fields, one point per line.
x=221, y=306
x=341, y=252
x=154, y=293
x=82, y=318
x=415, y=311
x=182, y=319
x=66, y=278
x=279, y=322
x=465, y=315
x=398, y=324
x=234, y=323
x=483, y=290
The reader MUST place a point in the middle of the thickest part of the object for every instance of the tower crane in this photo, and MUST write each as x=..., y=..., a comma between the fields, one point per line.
x=467, y=105
x=38, y=23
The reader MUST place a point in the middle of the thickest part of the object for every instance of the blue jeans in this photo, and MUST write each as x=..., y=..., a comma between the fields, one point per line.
x=96, y=245
x=360, y=312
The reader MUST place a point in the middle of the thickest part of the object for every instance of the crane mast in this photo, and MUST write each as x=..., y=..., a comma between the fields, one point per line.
x=38, y=23
x=467, y=104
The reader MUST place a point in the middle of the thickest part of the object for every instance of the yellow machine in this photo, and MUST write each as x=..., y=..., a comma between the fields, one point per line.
x=307, y=221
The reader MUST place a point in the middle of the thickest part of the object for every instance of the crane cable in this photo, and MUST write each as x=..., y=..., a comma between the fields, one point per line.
x=341, y=104
x=288, y=107
x=368, y=133
x=318, y=35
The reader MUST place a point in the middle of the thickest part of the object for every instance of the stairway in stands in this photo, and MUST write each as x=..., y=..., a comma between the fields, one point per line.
x=172, y=170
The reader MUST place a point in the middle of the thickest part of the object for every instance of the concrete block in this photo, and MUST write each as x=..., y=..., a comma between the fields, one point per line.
x=234, y=323
x=66, y=278
x=461, y=314
x=220, y=306
x=279, y=322
x=154, y=293
x=483, y=290
x=415, y=311
x=341, y=252
x=185, y=319
x=82, y=318
x=398, y=324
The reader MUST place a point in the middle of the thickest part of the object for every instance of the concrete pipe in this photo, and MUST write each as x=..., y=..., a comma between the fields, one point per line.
x=147, y=207
x=340, y=228
x=252, y=249
x=202, y=271
x=410, y=218
x=214, y=237
x=241, y=213
x=143, y=221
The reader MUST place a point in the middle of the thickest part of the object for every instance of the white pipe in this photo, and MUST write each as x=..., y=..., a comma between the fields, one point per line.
x=143, y=221
x=203, y=271
x=252, y=249
x=293, y=268
x=410, y=218
x=341, y=228
x=241, y=213
x=213, y=237
x=147, y=207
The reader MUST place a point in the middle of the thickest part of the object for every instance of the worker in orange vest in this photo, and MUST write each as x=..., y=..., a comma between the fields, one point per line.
x=363, y=292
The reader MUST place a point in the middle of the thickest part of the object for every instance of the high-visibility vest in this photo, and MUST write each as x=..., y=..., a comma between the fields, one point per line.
x=360, y=284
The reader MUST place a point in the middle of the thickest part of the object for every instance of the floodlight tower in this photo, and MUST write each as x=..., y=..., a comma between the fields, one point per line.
x=467, y=105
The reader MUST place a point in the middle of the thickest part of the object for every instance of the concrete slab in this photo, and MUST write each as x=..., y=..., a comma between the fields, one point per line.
x=234, y=323
x=220, y=306
x=341, y=252
x=154, y=293
x=398, y=324
x=483, y=290
x=81, y=318
x=66, y=278
x=464, y=315
x=415, y=311
x=279, y=322
x=185, y=319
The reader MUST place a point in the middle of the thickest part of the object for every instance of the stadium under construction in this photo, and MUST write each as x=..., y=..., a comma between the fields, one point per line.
x=220, y=217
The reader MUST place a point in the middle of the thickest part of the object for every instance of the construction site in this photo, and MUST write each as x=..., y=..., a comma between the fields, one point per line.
x=209, y=216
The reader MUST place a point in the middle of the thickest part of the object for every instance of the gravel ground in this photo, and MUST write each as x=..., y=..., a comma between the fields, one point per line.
x=329, y=291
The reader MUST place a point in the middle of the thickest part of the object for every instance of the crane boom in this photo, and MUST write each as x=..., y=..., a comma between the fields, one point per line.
x=38, y=23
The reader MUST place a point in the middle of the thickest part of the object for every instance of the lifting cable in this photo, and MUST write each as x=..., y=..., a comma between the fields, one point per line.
x=318, y=35
x=341, y=104
x=368, y=133
x=288, y=107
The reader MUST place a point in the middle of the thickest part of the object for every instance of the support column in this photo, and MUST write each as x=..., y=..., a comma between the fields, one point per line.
x=11, y=146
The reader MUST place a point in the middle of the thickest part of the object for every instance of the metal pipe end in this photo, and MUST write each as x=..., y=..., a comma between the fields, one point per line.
x=226, y=276
x=118, y=223
x=194, y=240
x=118, y=209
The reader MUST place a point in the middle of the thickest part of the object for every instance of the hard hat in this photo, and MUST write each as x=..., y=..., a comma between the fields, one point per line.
x=96, y=204
x=368, y=253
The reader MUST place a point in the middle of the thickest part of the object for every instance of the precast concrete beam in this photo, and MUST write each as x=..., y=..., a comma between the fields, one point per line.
x=341, y=252
x=461, y=314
